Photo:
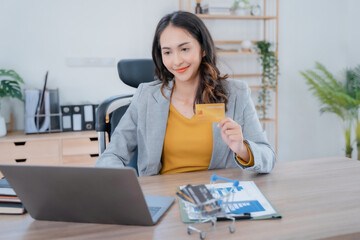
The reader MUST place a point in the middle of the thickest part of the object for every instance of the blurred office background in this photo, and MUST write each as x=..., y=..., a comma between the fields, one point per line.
x=41, y=35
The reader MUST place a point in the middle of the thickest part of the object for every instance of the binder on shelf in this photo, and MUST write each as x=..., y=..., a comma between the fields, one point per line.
x=31, y=102
x=55, y=114
x=95, y=106
x=42, y=111
x=89, y=117
x=67, y=124
x=77, y=117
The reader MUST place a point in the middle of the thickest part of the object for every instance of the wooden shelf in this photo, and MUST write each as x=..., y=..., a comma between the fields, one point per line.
x=249, y=75
x=19, y=135
x=232, y=41
x=267, y=120
x=249, y=17
x=259, y=87
x=235, y=53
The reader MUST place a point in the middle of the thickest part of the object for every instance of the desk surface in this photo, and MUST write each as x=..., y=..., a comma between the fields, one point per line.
x=318, y=199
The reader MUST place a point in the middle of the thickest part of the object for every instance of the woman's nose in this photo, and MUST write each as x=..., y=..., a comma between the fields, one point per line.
x=177, y=59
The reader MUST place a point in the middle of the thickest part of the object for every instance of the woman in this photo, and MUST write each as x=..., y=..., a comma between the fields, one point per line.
x=161, y=123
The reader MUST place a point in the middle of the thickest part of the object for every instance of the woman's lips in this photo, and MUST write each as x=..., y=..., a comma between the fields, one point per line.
x=181, y=70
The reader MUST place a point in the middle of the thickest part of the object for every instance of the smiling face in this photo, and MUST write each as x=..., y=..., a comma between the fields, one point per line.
x=181, y=54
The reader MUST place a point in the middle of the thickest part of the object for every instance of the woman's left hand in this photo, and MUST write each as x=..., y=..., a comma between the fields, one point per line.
x=231, y=133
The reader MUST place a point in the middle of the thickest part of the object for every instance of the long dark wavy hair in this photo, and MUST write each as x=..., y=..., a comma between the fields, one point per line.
x=211, y=88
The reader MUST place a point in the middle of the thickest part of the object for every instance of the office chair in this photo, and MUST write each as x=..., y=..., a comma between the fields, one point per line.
x=132, y=72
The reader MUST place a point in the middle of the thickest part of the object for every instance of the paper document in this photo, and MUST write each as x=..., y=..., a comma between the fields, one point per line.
x=246, y=198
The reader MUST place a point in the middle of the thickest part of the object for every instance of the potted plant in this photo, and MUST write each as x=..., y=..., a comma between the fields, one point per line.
x=9, y=87
x=270, y=70
x=240, y=7
x=352, y=89
x=336, y=97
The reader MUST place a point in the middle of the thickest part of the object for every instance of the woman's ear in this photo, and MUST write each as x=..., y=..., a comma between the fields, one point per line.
x=203, y=53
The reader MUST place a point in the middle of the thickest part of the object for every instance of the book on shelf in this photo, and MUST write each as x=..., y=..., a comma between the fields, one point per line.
x=218, y=7
x=226, y=49
x=216, y=11
x=218, y=3
x=9, y=201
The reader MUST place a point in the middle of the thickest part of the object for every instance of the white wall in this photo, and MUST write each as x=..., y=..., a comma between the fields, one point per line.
x=353, y=33
x=38, y=35
x=311, y=31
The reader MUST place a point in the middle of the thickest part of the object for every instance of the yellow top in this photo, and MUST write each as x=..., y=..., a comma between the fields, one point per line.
x=188, y=144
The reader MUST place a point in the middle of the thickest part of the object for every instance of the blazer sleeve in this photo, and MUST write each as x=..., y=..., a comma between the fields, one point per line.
x=123, y=142
x=255, y=137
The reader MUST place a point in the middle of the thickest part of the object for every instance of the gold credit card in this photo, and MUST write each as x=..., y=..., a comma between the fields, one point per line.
x=213, y=112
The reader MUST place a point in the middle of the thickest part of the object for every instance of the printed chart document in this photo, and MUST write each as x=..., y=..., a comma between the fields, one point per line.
x=245, y=199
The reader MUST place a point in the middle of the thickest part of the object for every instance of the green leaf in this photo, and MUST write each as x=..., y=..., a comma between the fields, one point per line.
x=12, y=74
x=10, y=88
x=270, y=70
x=10, y=84
x=329, y=92
x=332, y=81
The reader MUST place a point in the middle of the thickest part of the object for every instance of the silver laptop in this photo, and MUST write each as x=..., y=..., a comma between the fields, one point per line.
x=85, y=194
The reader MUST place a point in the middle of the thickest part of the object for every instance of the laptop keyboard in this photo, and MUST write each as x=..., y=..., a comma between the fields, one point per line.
x=154, y=210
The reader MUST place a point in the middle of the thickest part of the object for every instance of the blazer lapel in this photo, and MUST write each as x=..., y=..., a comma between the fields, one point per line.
x=157, y=116
x=220, y=149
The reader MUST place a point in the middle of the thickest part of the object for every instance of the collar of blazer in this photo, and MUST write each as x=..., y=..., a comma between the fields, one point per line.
x=159, y=98
x=157, y=118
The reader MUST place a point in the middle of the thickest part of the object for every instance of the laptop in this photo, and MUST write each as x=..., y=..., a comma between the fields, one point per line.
x=85, y=194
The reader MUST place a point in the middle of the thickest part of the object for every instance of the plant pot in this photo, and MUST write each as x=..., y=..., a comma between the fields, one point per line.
x=242, y=12
x=2, y=126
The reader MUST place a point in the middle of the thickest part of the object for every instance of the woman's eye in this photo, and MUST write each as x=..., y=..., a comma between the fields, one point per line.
x=185, y=49
x=166, y=53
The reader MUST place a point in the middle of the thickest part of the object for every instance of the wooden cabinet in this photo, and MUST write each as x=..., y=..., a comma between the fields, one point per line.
x=30, y=152
x=81, y=151
x=67, y=148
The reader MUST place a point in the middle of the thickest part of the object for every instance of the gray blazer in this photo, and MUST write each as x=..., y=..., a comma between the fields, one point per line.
x=144, y=124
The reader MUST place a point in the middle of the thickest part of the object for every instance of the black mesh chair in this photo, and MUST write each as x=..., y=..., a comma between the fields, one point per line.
x=132, y=72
